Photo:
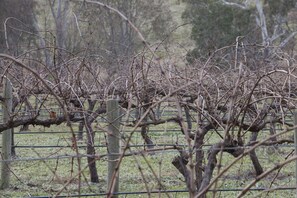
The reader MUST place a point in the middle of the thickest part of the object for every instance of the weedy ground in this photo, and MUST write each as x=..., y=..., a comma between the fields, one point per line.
x=47, y=177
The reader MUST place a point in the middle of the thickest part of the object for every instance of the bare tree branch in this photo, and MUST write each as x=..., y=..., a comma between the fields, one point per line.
x=244, y=6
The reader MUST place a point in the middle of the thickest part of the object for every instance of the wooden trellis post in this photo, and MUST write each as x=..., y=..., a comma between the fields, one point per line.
x=6, y=136
x=295, y=143
x=113, y=140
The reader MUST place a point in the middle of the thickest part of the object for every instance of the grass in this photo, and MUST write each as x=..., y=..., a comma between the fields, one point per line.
x=46, y=178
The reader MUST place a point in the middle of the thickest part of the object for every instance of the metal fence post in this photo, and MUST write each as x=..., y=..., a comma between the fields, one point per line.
x=6, y=136
x=113, y=140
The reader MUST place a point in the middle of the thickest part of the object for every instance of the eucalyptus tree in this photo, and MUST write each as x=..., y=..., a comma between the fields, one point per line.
x=217, y=24
x=16, y=30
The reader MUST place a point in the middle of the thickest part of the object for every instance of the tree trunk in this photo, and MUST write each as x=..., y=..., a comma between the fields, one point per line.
x=90, y=146
x=211, y=164
x=13, y=153
x=264, y=31
x=180, y=163
x=144, y=133
x=253, y=156
x=188, y=118
x=80, y=130
x=144, y=130
x=199, y=161
x=29, y=111
x=91, y=152
x=272, y=131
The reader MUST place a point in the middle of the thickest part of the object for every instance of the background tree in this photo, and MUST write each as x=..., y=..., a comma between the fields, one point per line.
x=16, y=32
x=16, y=18
x=98, y=32
x=217, y=24
x=214, y=25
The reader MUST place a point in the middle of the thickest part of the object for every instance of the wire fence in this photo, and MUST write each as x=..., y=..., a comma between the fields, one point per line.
x=165, y=142
x=172, y=192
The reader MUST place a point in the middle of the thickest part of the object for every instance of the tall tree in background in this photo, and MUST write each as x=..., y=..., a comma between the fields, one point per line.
x=16, y=36
x=113, y=38
x=100, y=33
x=217, y=23
x=16, y=25
x=214, y=25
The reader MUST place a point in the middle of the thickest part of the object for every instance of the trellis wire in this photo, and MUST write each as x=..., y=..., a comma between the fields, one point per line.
x=128, y=154
x=205, y=147
x=155, y=145
x=169, y=191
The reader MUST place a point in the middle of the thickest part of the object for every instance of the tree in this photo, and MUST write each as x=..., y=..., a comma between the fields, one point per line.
x=94, y=31
x=214, y=25
x=217, y=24
x=15, y=32
x=15, y=29
x=117, y=40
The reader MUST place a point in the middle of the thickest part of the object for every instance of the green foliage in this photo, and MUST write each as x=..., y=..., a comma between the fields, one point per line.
x=215, y=25
x=17, y=16
x=280, y=7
